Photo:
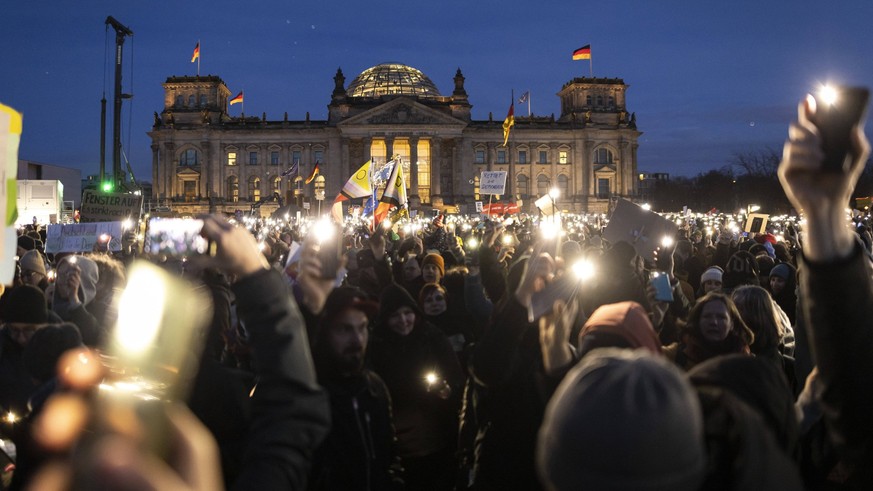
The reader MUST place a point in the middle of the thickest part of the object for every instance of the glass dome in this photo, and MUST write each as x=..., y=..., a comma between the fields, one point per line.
x=392, y=79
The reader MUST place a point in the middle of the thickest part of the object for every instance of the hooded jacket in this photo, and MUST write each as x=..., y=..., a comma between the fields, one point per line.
x=93, y=333
x=626, y=323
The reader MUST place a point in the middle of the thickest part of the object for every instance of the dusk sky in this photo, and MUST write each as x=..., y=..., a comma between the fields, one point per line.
x=707, y=80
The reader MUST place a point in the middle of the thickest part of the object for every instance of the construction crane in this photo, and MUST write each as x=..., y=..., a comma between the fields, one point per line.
x=120, y=32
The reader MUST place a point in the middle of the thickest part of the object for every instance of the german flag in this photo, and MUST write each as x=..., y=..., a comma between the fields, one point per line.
x=196, y=52
x=238, y=98
x=313, y=174
x=583, y=53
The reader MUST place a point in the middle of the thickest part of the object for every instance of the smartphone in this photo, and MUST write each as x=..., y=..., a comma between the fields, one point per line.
x=176, y=237
x=661, y=282
x=563, y=288
x=151, y=357
x=834, y=120
x=329, y=238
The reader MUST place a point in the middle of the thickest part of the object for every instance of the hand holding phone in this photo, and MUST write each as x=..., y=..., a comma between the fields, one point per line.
x=661, y=282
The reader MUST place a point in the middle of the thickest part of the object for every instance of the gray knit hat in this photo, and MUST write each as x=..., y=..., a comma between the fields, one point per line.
x=622, y=420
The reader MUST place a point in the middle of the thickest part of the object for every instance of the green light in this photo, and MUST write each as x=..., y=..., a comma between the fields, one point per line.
x=107, y=187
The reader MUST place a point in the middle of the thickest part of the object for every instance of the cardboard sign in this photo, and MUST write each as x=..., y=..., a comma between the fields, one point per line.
x=81, y=237
x=756, y=223
x=479, y=207
x=638, y=227
x=546, y=205
x=493, y=182
x=500, y=209
x=108, y=207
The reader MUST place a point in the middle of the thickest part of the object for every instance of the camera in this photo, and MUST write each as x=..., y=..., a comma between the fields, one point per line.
x=837, y=110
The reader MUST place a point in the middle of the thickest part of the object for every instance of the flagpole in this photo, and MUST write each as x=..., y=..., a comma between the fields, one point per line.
x=528, y=103
x=590, y=66
x=199, y=55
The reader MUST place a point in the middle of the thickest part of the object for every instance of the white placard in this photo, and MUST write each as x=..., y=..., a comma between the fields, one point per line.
x=81, y=237
x=493, y=182
x=479, y=207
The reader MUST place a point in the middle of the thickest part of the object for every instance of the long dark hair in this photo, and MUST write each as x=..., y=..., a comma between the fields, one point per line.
x=738, y=326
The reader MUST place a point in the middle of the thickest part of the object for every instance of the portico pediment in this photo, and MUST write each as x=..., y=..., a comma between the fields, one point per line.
x=187, y=172
x=402, y=111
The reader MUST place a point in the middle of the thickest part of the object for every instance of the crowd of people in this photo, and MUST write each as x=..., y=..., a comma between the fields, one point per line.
x=472, y=353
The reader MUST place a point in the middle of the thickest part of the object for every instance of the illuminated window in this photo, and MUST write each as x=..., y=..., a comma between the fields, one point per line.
x=603, y=188
x=562, y=157
x=602, y=156
x=231, y=158
x=480, y=157
x=522, y=156
x=544, y=157
x=277, y=184
x=253, y=158
x=424, y=171
x=189, y=157
x=254, y=188
x=523, y=186
x=476, y=188
x=564, y=185
x=274, y=158
x=377, y=152
x=542, y=185
x=233, y=189
x=501, y=156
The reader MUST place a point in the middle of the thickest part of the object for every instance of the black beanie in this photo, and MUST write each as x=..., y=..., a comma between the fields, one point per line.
x=393, y=297
x=46, y=346
x=25, y=304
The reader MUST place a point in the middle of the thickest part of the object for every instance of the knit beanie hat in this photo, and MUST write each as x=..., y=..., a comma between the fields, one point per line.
x=32, y=261
x=25, y=304
x=628, y=320
x=622, y=420
x=784, y=271
x=46, y=347
x=713, y=273
x=437, y=260
x=393, y=297
x=741, y=269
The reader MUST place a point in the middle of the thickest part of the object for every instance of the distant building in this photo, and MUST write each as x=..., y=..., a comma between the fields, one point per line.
x=647, y=184
x=70, y=178
x=205, y=159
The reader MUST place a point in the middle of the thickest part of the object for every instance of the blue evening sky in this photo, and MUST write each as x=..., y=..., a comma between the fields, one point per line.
x=707, y=79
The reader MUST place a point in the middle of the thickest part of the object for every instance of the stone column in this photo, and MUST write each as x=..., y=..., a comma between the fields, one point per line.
x=436, y=164
x=169, y=169
x=206, y=170
x=389, y=147
x=413, y=167
x=156, y=172
x=368, y=146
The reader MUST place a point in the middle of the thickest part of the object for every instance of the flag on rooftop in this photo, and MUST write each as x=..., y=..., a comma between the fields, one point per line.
x=508, y=123
x=196, y=52
x=238, y=98
x=315, y=171
x=583, y=53
x=524, y=97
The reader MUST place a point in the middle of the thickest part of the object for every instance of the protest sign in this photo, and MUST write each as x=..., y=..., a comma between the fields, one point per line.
x=756, y=223
x=81, y=237
x=10, y=138
x=546, y=205
x=641, y=228
x=493, y=182
x=479, y=207
x=107, y=207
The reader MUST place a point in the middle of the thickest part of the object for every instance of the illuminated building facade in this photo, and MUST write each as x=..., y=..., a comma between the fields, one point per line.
x=206, y=160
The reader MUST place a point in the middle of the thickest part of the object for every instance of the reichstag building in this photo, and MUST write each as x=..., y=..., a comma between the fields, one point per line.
x=203, y=159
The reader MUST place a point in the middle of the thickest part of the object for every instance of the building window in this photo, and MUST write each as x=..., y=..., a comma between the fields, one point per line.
x=610, y=101
x=563, y=158
x=233, y=189
x=231, y=158
x=180, y=101
x=277, y=184
x=253, y=158
x=564, y=185
x=480, y=157
x=587, y=100
x=192, y=101
x=501, y=156
x=202, y=101
x=542, y=185
x=378, y=152
x=318, y=155
x=254, y=189
x=423, y=165
x=602, y=156
x=189, y=157
x=295, y=157
x=544, y=157
x=476, y=187
x=603, y=188
x=599, y=100
x=274, y=158
x=523, y=186
x=522, y=156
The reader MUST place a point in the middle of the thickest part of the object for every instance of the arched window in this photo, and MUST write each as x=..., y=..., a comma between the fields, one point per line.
x=254, y=188
x=542, y=185
x=603, y=156
x=277, y=184
x=523, y=186
x=189, y=157
x=192, y=101
x=564, y=185
x=600, y=100
x=610, y=101
x=202, y=100
x=233, y=189
x=587, y=100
